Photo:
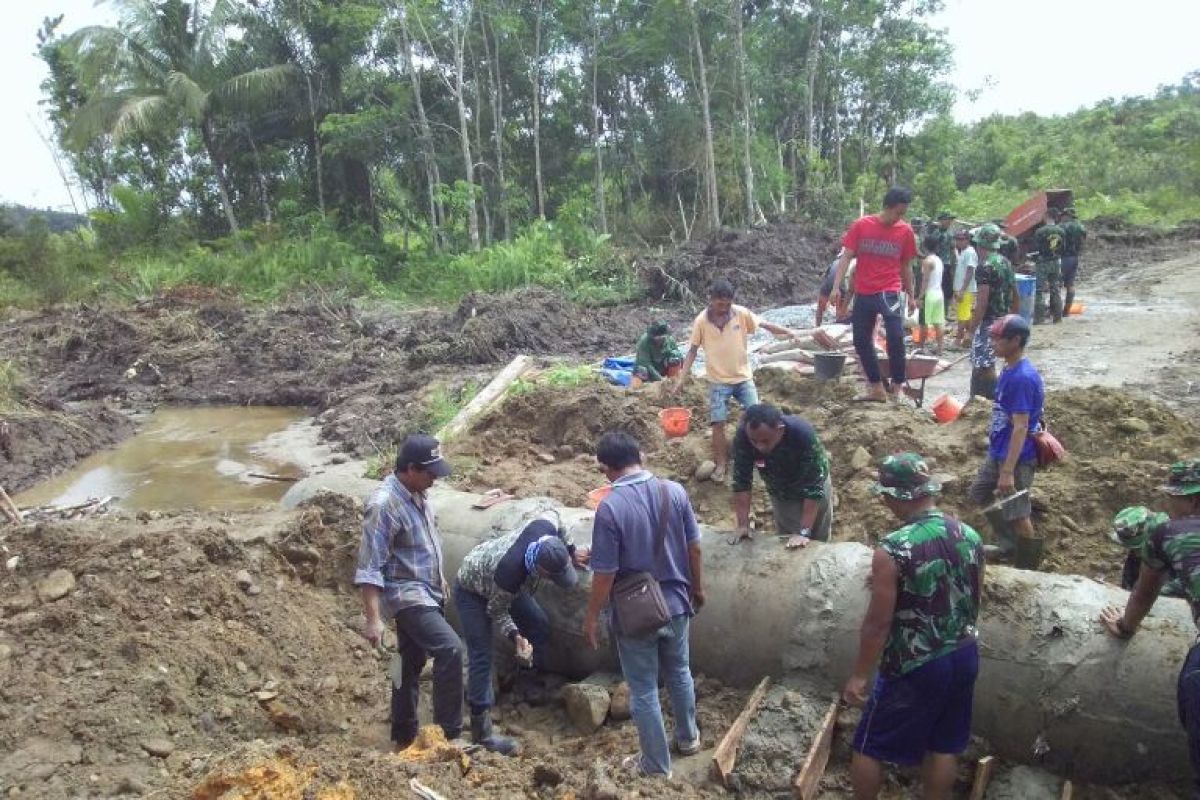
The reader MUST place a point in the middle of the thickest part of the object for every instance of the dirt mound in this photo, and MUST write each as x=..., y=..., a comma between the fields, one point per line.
x=772, y=265
x=540, y=443
x=35, y=443
x=488, y=328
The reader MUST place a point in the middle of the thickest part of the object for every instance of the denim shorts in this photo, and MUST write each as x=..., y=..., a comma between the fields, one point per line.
x=718, y=398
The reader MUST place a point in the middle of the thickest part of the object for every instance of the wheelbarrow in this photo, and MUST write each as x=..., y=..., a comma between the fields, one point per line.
x=916, y=368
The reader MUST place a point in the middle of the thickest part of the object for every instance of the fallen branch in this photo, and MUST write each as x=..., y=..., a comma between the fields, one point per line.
x=726, y=753
x=808, y=781
x=9, y=508
x=484, y=400
x=269, y=477
x=422, y=791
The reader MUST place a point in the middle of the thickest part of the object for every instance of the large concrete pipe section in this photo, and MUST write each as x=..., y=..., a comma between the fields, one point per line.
x=1050, y=676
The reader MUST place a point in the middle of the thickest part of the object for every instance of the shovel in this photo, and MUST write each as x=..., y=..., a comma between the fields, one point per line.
x=997, y=517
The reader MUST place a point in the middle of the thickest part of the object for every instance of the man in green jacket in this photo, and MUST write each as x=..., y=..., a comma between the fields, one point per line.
x=1075, y=236
x=658, y=354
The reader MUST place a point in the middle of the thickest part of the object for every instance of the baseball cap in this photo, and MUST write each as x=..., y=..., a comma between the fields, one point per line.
x=1184, y=478
x=1008, y=326
x=554, y=557
x=906, y=476
x=424, y=451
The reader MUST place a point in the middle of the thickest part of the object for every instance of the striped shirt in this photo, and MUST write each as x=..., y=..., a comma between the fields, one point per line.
x=401, y=551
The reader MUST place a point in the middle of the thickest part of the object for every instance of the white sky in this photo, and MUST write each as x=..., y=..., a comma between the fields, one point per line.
x=1046, y=56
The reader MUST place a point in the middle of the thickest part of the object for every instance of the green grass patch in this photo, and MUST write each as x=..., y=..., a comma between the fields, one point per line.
x=560, y=376
x=439, y=407
x=12, y=385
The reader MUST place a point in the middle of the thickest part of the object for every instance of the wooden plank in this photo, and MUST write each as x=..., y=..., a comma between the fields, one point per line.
x=484, y=400
x=1068, y=792
x=9, y=508
x=726, y=753
x=808, y=780
x=983, y=774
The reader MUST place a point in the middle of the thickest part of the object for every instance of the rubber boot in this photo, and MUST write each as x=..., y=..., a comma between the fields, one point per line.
x=1029, y=553
x=483, y=734
x=1004, y=538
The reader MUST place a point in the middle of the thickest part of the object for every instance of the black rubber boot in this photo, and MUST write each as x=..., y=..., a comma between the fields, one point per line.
x=983, y=383
x=482, y=734
x=1029, y=553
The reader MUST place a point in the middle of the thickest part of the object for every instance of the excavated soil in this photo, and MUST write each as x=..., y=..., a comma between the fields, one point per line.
x=368, y=370
x=771, y=265
x=540, y=443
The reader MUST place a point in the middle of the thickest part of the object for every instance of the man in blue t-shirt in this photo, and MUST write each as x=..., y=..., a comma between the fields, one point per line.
x=1012, y=455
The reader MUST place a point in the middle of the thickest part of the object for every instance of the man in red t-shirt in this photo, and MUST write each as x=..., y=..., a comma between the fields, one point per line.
x=884, y=244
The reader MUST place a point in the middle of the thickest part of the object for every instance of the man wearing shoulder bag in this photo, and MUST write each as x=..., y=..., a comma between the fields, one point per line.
x=646, y=563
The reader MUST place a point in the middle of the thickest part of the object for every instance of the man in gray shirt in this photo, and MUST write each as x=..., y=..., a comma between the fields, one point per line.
x=624, y=539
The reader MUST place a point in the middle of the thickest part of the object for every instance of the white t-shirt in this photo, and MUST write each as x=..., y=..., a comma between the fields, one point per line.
x=934, y=284
x=967, y=257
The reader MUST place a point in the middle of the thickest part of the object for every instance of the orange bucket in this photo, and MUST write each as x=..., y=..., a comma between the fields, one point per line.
x=945, y=408
x=596, y=495
x=1076, y=308
x=675, y=421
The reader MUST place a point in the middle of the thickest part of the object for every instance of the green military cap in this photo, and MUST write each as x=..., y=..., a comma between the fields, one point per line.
x=946, y=215
x=987, y=236
x=1132, y=526
x=1184, y=478
x=659, y=328
x=906, y=476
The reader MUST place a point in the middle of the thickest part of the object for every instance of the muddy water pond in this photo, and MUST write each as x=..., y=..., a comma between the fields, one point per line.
x=198, y=457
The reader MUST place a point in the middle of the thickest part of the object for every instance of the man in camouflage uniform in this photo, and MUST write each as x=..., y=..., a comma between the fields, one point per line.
x=1170, y=549
x=926, y=580
x=947, y=252
x=997, y=296
x=1049, y=241
x=1131, y=529
x=495, y=585
x=1074, y=237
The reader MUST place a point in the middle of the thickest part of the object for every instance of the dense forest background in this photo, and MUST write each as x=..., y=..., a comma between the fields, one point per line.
x=423, y=148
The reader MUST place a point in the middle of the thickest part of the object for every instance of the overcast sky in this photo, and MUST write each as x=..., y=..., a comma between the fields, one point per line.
x=1046, y=56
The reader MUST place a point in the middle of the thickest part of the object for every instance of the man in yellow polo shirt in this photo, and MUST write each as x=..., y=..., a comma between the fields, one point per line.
x=723, y=329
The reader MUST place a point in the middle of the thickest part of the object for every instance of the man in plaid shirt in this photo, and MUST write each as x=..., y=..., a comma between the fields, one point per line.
x=400, y=574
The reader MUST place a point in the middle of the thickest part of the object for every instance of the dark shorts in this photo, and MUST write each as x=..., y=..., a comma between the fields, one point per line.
x=926, y=711
x=983, y=491
x=1070, y=268
x=826, y=285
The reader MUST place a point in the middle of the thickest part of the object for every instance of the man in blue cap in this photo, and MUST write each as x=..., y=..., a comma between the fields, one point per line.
x=400, y=575
x=495, y=586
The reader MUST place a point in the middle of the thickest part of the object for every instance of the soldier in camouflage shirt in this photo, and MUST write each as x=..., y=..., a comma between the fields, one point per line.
x=1075, y=235
x=947, y=252
x=1131, y=529
x=1169, y=549
x=926, y=580
x=997, y=296
x=1049, y=241
x=495, y=586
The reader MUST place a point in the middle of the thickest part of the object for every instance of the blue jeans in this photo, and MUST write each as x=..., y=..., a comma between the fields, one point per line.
x=477, y=633
x=718, y=398
x=1188, y=697
x=890, y=306
x=640, y=661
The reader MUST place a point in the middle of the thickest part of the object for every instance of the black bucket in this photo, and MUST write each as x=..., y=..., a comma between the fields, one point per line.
x=829, y=365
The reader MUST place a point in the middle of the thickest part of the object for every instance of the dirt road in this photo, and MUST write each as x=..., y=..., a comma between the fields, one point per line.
x=1138, y=331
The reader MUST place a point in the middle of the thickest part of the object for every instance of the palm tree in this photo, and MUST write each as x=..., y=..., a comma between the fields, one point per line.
x=166, y=64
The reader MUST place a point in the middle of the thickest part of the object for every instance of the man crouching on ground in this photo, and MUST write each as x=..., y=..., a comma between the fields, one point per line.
x=925, y=584
x=634, y=532
x=400, y=568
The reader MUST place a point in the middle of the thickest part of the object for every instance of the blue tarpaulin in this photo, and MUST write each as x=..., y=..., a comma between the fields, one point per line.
x=618, y=371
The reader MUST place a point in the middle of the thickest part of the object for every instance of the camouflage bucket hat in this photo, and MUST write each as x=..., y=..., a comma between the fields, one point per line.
x=987, y=235
x=906, y=476
x=1184, y=478
x=1132, y=526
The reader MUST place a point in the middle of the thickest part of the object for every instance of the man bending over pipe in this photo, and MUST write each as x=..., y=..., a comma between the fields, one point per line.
x=795, y=468
x=925, y=584
x=1169, y=550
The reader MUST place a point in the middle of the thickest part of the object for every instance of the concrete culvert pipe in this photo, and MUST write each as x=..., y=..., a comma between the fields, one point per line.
x=1050, y=677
